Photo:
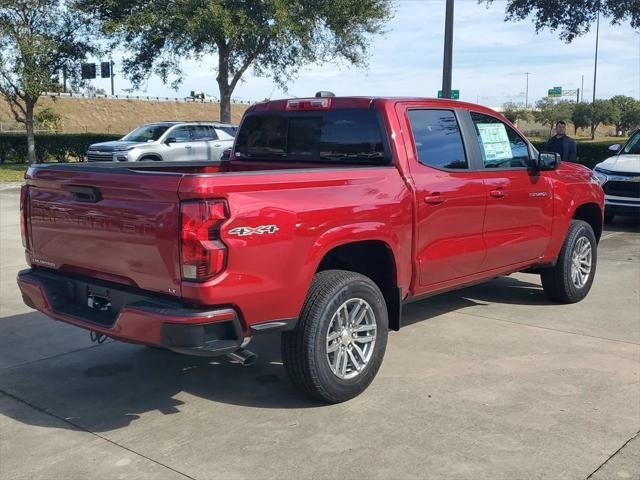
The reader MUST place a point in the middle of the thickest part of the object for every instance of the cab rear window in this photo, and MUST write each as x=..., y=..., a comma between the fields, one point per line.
x=347, y=135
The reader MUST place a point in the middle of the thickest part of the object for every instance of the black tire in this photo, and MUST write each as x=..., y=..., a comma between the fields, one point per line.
x=150, y=158
x=608, y=217
x=304, y=349
x=557, y=282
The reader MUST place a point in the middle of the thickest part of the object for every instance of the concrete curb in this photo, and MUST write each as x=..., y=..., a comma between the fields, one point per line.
x=10, y=186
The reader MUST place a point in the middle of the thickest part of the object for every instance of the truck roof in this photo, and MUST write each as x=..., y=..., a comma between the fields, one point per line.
x=366, y=102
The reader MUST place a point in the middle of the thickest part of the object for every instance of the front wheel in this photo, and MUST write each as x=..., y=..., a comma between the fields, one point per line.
x=571, y=278
x=337, y=347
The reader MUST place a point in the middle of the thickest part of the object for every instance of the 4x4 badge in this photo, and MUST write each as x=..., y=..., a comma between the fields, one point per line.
x=261, y=230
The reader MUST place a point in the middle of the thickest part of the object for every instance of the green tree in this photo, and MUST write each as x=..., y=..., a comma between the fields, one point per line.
x=622, y=105
x=38, y=39
x=572, y=18
x=273, y=37
x=548, y=112
x=514, y=112
x=631, y=118
x=603, y=112
x=581, y=116
x=49, y=120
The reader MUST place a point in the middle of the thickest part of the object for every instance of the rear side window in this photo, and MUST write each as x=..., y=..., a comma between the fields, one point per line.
x=501, y=146
x=345, y=135
x=203, y=132
x=437, y=137
x=229, y=130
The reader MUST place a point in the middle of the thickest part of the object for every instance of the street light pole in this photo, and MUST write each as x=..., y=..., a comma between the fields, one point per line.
x=595, y=64
x=112, y=75
x=526, y=92
x=448, y=51
x=595, y=73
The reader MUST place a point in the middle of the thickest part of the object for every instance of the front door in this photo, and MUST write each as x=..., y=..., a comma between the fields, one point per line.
x=517, y=226
x=450, y=199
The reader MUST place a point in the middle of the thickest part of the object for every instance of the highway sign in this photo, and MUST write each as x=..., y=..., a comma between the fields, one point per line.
x=455, y=94
x=555, y=92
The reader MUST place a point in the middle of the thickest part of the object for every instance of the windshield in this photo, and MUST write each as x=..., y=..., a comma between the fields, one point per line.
x=145, y=133
x=347, y=135
x=633, y=145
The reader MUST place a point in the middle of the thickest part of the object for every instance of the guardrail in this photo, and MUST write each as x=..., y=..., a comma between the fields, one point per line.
x=147, y=98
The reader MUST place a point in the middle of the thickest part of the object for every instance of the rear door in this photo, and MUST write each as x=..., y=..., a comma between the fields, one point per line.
x=183, y=148
x=121, y=226
x=450, y=198
x=517, y=226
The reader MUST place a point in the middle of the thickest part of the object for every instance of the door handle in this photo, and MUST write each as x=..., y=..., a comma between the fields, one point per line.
x=188, y=147
x=434, y=199
x=497, y=193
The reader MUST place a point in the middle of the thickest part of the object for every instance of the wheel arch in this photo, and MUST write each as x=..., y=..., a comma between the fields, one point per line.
x=150, y=156
x=374, y=259
x=592, y=214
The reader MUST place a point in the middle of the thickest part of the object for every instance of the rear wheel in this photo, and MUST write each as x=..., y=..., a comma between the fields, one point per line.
x=571, y=278
x=337, y=347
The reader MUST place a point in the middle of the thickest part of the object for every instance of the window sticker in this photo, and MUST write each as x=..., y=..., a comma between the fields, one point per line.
x=495, y=141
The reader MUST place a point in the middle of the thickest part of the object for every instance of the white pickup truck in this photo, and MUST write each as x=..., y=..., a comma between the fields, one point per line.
x=620, y=179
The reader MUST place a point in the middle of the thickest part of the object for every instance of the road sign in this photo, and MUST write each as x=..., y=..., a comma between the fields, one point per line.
x=555, y=92
x=455, y=94
x=88, y=71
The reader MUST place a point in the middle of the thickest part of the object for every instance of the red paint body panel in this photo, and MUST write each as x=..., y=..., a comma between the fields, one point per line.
x=131, y=236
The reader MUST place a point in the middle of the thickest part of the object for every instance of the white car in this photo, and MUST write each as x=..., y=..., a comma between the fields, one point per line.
x=168, y=141
x=620, y=179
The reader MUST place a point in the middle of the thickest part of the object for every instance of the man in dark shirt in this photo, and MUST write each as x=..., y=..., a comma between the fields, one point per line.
x=562, y=144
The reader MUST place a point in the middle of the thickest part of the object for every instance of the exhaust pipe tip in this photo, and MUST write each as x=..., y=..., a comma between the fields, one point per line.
x=243, y=356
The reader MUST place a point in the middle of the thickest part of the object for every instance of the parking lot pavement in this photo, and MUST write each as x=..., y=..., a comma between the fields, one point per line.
x=489, y=382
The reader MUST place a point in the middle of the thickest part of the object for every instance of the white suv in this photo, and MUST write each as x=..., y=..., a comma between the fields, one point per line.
x=169, y=141
x=620, y=179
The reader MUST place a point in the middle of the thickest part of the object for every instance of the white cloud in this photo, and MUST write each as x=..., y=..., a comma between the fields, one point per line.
x=490, y=58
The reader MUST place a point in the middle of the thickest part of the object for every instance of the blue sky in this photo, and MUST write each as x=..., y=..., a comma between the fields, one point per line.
x=490, y=58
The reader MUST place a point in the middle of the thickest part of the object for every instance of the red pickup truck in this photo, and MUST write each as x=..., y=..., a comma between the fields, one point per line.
x=330, y=214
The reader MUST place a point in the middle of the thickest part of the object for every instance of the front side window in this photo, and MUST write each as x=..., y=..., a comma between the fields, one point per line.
x=437, y=138
x=500, y=145
x=633, y=145
x=342, y=135
x=181, y=134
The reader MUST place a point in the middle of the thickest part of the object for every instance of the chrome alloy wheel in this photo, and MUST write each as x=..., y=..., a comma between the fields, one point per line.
x=351, y=338
x=581, y=259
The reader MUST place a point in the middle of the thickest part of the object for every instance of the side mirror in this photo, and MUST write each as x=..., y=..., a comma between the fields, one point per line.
x=615, y=148
x=547, y=161
x=170, y=140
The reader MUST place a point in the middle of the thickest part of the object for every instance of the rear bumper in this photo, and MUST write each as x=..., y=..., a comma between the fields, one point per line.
x=131, y=316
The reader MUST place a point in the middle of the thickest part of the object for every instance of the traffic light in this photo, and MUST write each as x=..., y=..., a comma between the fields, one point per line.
x=105, y=69
x=88, y=71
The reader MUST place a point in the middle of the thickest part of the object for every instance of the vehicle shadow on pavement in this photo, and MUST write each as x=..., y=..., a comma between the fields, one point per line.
x=623, y=224
x=107, y=387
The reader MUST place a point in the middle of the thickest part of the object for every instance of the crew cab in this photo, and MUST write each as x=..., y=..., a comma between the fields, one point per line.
x=619, y=176
x=331, y=213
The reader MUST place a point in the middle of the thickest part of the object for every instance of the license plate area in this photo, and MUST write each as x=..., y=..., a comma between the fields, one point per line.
x=92, y=300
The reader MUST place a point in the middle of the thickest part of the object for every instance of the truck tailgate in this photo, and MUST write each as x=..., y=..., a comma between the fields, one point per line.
x=117, y=225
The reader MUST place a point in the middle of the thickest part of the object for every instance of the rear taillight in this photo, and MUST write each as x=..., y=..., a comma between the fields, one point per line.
x=203, y=253
x=24, y=198
x=299, y=104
